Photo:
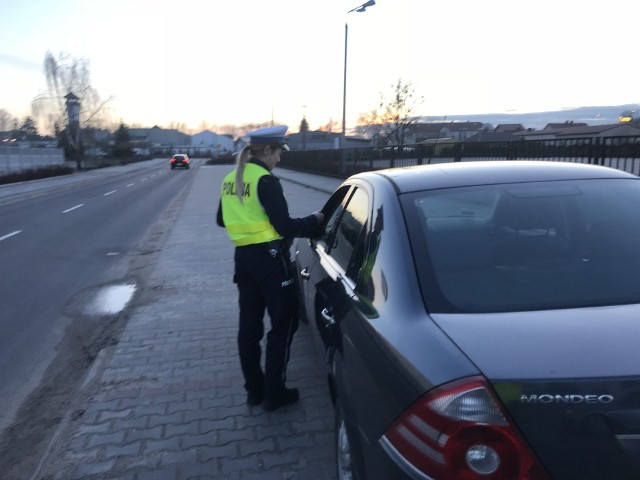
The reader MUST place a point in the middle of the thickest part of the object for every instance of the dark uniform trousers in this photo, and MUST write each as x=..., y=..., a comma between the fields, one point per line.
x=265, y=281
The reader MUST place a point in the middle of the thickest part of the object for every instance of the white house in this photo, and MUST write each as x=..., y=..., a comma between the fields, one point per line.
x=212, y=141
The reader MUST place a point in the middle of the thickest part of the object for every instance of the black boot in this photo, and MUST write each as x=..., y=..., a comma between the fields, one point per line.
x=286, y=397
x=255, y=397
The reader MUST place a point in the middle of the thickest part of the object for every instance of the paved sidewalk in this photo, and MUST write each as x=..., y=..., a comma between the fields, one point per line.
x=167, y=401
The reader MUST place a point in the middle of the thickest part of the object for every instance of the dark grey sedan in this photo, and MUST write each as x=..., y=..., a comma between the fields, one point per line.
x=481, y=320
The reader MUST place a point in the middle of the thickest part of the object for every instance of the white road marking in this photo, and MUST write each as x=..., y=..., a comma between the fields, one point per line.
x=131, y=185
x=109, y=193
x=10, y=235
x=73, y=208
x=143, y=179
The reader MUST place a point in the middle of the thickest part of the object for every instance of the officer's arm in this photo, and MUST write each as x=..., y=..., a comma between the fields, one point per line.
x=275, y=205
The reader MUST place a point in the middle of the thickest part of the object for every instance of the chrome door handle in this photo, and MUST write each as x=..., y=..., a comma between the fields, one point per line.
x=327, y=317
x=304, y=273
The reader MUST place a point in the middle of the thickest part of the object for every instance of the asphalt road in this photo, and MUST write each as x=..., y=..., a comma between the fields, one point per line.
x=59, y=251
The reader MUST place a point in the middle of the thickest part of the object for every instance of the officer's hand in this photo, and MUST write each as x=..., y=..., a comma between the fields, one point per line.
x=319, y=216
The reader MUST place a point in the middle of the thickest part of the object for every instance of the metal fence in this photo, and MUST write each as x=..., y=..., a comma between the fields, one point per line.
x=17, y=159
x=622, y=153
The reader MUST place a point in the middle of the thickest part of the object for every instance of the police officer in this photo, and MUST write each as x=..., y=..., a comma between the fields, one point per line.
x=256, y=216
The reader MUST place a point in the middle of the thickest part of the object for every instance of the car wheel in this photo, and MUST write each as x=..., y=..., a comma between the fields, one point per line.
x=343, y=448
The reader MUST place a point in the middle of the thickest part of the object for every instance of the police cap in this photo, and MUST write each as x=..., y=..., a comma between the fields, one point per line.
x=269, y=135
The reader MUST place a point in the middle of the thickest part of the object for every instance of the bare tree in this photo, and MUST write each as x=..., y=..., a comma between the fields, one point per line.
x=179, y=126
x=6, y=120
x=204, y=126
x=68, y=75
x=241, y=130
x=395, y=114
x=329, y=127
x=369, y=124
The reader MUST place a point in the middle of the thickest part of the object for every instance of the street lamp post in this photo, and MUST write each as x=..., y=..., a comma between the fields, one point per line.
x=359, y=9
x=72, y=103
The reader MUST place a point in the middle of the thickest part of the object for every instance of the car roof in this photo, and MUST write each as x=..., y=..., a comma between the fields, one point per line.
x=461, y=174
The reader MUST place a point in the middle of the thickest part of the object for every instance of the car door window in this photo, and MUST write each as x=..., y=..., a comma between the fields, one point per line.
x=348, y=242
x=332, y=211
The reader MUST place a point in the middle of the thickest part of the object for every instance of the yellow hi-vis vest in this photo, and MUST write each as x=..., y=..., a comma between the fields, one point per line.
x=247, y=222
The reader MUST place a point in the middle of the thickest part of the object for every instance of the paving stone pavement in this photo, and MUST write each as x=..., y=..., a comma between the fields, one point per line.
x=167, y=401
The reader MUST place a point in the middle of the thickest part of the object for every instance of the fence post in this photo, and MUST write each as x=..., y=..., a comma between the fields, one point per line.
x=606, y=150
x=516, y=151
x=457, y=152
x=597, y=151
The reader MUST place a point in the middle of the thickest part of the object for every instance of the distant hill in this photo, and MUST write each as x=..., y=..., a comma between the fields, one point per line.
x=538, y=120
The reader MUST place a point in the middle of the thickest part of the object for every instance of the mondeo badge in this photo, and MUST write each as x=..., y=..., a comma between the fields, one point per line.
x=551, y=398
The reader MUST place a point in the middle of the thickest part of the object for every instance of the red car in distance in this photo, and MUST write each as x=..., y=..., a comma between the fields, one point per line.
x=179, y=160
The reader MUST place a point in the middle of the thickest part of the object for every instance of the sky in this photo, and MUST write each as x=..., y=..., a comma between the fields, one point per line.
x=217, y=62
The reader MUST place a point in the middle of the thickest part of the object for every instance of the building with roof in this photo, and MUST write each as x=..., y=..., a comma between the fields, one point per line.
x=509, y=127
x=595, y=131
x=158, y=137
x=419, y=132
x=319, y=140
x=485, y=136
x=217, y=144
x=567, y=124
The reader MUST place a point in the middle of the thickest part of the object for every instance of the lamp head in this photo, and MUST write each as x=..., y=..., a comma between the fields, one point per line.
x=363, y=7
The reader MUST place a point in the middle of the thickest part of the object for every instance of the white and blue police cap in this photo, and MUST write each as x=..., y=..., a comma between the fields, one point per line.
x=269, y=135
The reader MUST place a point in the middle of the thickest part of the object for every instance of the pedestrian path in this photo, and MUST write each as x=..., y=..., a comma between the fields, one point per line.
x=167, y=401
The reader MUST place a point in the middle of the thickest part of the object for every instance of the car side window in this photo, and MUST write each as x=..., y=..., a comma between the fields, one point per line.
x=332, y=211
x=347, y=247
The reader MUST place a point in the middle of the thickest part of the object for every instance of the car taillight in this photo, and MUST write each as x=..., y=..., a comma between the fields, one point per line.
x=458, y=432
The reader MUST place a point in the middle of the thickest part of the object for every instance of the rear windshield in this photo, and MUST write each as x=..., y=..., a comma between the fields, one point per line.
x=178, y=157
x=527, y=246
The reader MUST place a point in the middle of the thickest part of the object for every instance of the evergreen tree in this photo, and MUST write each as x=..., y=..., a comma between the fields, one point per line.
x=304, y=128
x=28, y=130
x=122, y=143
x=304, y=125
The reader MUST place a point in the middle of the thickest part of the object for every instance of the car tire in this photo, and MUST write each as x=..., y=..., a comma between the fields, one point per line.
x=344, y=465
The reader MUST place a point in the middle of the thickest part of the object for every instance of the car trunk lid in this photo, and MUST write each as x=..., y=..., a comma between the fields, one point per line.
x=569, y=379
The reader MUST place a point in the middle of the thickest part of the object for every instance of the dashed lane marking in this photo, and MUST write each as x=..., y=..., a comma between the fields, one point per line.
x=111, y=192
x=10, y=235
x=73, y=208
